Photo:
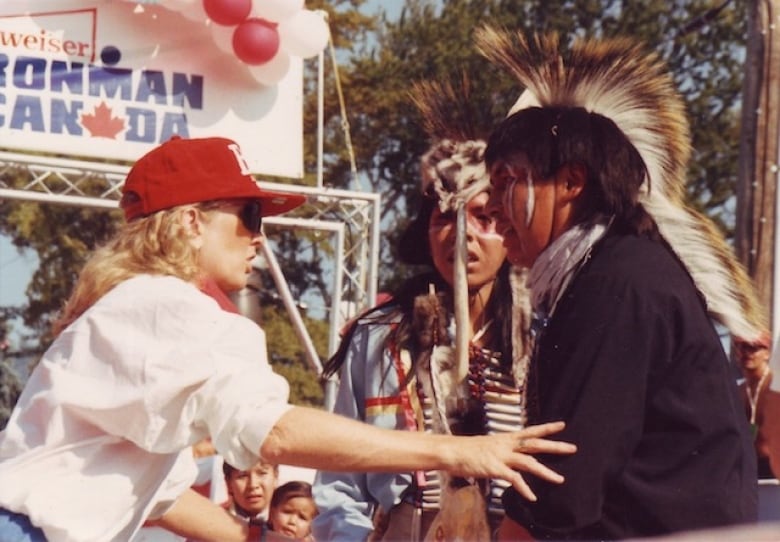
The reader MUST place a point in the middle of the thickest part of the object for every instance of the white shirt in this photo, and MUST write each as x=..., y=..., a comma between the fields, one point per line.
x=99, y=440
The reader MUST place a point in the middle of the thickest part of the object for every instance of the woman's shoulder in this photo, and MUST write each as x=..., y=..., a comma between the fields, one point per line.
x=161, y=295
x=167, y=306
x=154, y=288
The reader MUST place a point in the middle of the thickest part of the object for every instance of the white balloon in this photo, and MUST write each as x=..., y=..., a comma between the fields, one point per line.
x=194, y=11
x=276, y=10
x=272, y=71
x=175, y=5
x=223, y=36
x=304, y=34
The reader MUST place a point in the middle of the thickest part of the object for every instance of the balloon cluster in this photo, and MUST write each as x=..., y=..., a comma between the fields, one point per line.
x=261, y=33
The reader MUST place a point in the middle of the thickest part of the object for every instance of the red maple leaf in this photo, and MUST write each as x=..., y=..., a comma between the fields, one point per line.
x=101, y=123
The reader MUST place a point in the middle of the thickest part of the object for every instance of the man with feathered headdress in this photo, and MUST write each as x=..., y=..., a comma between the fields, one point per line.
x=588, y=172
x=636, y=91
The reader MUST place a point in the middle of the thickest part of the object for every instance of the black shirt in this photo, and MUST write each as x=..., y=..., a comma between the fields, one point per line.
x=631, y=361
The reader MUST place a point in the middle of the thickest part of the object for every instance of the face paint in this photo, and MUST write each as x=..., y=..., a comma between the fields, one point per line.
x=481, y=226
x=509, y=200
x=489, y=235
x=477, y=225
x=530, y=202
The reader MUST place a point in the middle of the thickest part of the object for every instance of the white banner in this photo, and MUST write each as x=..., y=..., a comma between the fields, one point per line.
x=105, y=79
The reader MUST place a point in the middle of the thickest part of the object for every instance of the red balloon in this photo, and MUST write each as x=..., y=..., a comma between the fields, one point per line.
x=255, y=41
x=227, y=12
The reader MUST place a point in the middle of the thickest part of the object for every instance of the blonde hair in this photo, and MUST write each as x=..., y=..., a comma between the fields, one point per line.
x=156, y=245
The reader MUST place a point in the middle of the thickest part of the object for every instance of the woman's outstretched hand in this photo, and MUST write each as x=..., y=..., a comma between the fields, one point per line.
x=506, y=454
x=305, y=437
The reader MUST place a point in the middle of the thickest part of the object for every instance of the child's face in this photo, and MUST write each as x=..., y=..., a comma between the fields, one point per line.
x=251, y=489
x=293, y=517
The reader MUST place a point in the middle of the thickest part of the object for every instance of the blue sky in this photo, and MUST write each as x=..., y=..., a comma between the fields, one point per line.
x=15, y=272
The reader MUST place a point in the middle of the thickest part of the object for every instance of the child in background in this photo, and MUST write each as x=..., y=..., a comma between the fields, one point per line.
x=251, y=490
x=292, y=510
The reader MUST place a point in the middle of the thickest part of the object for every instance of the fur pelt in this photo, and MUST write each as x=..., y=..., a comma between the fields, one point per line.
x=617, y=79
x=436, y=369
x=453, y=168
x=521, y=323
x=462, y=509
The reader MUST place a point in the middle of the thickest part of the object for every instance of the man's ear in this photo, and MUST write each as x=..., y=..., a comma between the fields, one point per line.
x=571, y=181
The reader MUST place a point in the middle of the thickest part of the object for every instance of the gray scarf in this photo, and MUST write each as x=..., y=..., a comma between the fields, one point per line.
x=558, y=264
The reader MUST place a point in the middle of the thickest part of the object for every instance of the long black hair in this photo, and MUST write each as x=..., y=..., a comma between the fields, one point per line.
x=551, y=137
x=415, y=249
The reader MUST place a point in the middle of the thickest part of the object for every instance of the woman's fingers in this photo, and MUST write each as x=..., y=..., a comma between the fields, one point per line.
x=508, y=454
x=531, y=465
x=519, y=484
x=544, y=446
x=543, y=429
x=529, y=440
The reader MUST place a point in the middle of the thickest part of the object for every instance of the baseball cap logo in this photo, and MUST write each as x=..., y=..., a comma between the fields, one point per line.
x=242, y=164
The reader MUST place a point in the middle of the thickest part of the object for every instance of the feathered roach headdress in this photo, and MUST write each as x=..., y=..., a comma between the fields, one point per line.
x=618, y=80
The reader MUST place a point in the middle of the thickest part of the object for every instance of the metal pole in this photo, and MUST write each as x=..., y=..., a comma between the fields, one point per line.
x=373, y=267
x=292, y=309
x=320, y=115
x=336, y=321
x=45, y=197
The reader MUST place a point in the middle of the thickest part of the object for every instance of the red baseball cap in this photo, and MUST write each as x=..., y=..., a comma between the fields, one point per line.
x=182, y=171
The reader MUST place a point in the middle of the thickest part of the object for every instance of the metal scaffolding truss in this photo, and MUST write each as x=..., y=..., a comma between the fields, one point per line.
x=351, y=218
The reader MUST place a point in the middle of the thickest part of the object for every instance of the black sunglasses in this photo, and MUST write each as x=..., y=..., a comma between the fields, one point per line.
x=251, y=215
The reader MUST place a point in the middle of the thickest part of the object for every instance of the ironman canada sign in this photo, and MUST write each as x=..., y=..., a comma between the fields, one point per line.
x=106, y=80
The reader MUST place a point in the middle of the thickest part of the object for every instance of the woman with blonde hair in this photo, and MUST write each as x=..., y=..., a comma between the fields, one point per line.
x=146, y=364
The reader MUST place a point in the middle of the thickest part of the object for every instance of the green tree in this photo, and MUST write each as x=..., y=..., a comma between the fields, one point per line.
x=62, y=237
x=10, y=387
x=288, y=356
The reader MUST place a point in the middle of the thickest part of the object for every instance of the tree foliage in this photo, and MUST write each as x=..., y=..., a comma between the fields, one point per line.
x=288, y=356
x=10, y=388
